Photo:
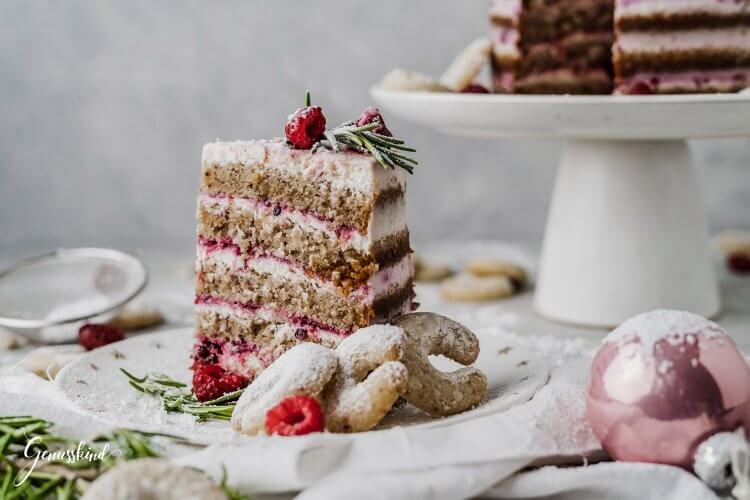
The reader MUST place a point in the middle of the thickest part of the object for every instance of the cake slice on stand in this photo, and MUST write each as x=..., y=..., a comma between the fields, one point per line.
x=541, y=47
x=300, y=240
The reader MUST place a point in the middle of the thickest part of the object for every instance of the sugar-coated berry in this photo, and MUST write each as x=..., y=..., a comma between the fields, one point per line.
x=475, y=88
x=640, y=88
x=739, y=263
x=300, y=334
x=92, y=336
x=212, y=381
x=372, y=114
x=305, y=127
x=295, y=416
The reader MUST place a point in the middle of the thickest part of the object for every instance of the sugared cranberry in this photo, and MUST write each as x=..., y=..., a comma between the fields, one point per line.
x=300, y=334
x=305, y=127
x=370, y=115
x=92, y=336
x=212, y=381
x=277, y=210
x=475, y=88
x=739, y=263
x=640, y=88
x=295, y=416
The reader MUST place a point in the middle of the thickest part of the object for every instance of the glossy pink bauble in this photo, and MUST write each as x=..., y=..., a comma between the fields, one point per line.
x=662, y=383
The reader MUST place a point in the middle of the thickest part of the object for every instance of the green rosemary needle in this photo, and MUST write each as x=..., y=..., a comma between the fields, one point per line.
x=175, y=397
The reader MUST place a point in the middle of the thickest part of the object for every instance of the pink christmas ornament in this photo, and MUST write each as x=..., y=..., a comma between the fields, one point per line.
x=662, y=383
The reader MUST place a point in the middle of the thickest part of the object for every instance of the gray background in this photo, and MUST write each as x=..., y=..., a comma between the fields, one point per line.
x=104, y=107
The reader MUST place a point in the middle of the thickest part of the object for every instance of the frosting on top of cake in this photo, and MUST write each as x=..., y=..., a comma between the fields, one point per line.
x=342, y=169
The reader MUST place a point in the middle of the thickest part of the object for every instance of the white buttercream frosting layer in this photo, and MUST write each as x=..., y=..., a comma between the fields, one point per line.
x=344, y=170
x=632, y=8
x=654, y=42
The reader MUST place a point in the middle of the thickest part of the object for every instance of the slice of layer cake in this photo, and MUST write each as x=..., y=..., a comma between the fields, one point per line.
x=682, y=46
x=551, y=47
x=298, y=245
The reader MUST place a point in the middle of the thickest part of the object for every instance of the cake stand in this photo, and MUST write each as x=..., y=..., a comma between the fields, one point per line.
x=626, y=231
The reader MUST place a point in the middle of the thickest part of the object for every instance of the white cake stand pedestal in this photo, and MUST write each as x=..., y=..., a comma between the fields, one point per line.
x=626, y=231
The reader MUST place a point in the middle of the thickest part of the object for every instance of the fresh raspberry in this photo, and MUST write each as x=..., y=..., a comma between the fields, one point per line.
x=92, y=336
x=212, y=381
x=640, y=88
x=739, y=263
x=295, y=416
x=305, y=127
x=372, y=114
x=475, y=88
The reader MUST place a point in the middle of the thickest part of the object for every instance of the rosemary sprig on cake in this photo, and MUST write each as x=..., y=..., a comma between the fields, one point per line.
x=305, y=129
x=177, y=398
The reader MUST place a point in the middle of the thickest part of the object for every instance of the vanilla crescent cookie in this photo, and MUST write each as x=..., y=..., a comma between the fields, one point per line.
x=411, y=81
x=467, y=64
x=431, y=390
x=304, y=370
x=369, y=380
x=153, y=478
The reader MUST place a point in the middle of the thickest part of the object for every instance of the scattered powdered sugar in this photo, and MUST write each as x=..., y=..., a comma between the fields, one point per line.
x=371, y=343
x=674, y=327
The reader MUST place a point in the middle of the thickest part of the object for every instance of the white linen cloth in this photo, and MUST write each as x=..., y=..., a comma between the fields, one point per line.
x=480, y=457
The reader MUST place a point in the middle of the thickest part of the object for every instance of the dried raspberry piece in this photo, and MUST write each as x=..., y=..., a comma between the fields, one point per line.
x=295, y=416
x=372, y=114
x=640, y=88
x=475, y=88
x=92, y=336
x=305, y=126
x=213, y=381
x=739, y=263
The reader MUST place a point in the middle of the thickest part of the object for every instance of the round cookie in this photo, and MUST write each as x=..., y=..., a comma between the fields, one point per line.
x=150, y=478
x=369, y=380
x=426, y=271
x=431, y=390
x=497, y=267
x=304, y=370
x=469, y=288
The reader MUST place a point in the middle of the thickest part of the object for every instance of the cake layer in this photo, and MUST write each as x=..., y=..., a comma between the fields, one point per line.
x=218, y=318
x=276, y=284
x=732, y=80
x=680, y=20
x=341, y=187
x=630, y=63
x=348, y=259
x=548, y=22
x=388, y=219
x=561, y=81
x=578, y=52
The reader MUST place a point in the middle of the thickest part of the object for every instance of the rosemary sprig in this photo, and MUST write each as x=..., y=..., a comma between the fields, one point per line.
x=26, y=436
x=385, y=149
x=177, y=398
